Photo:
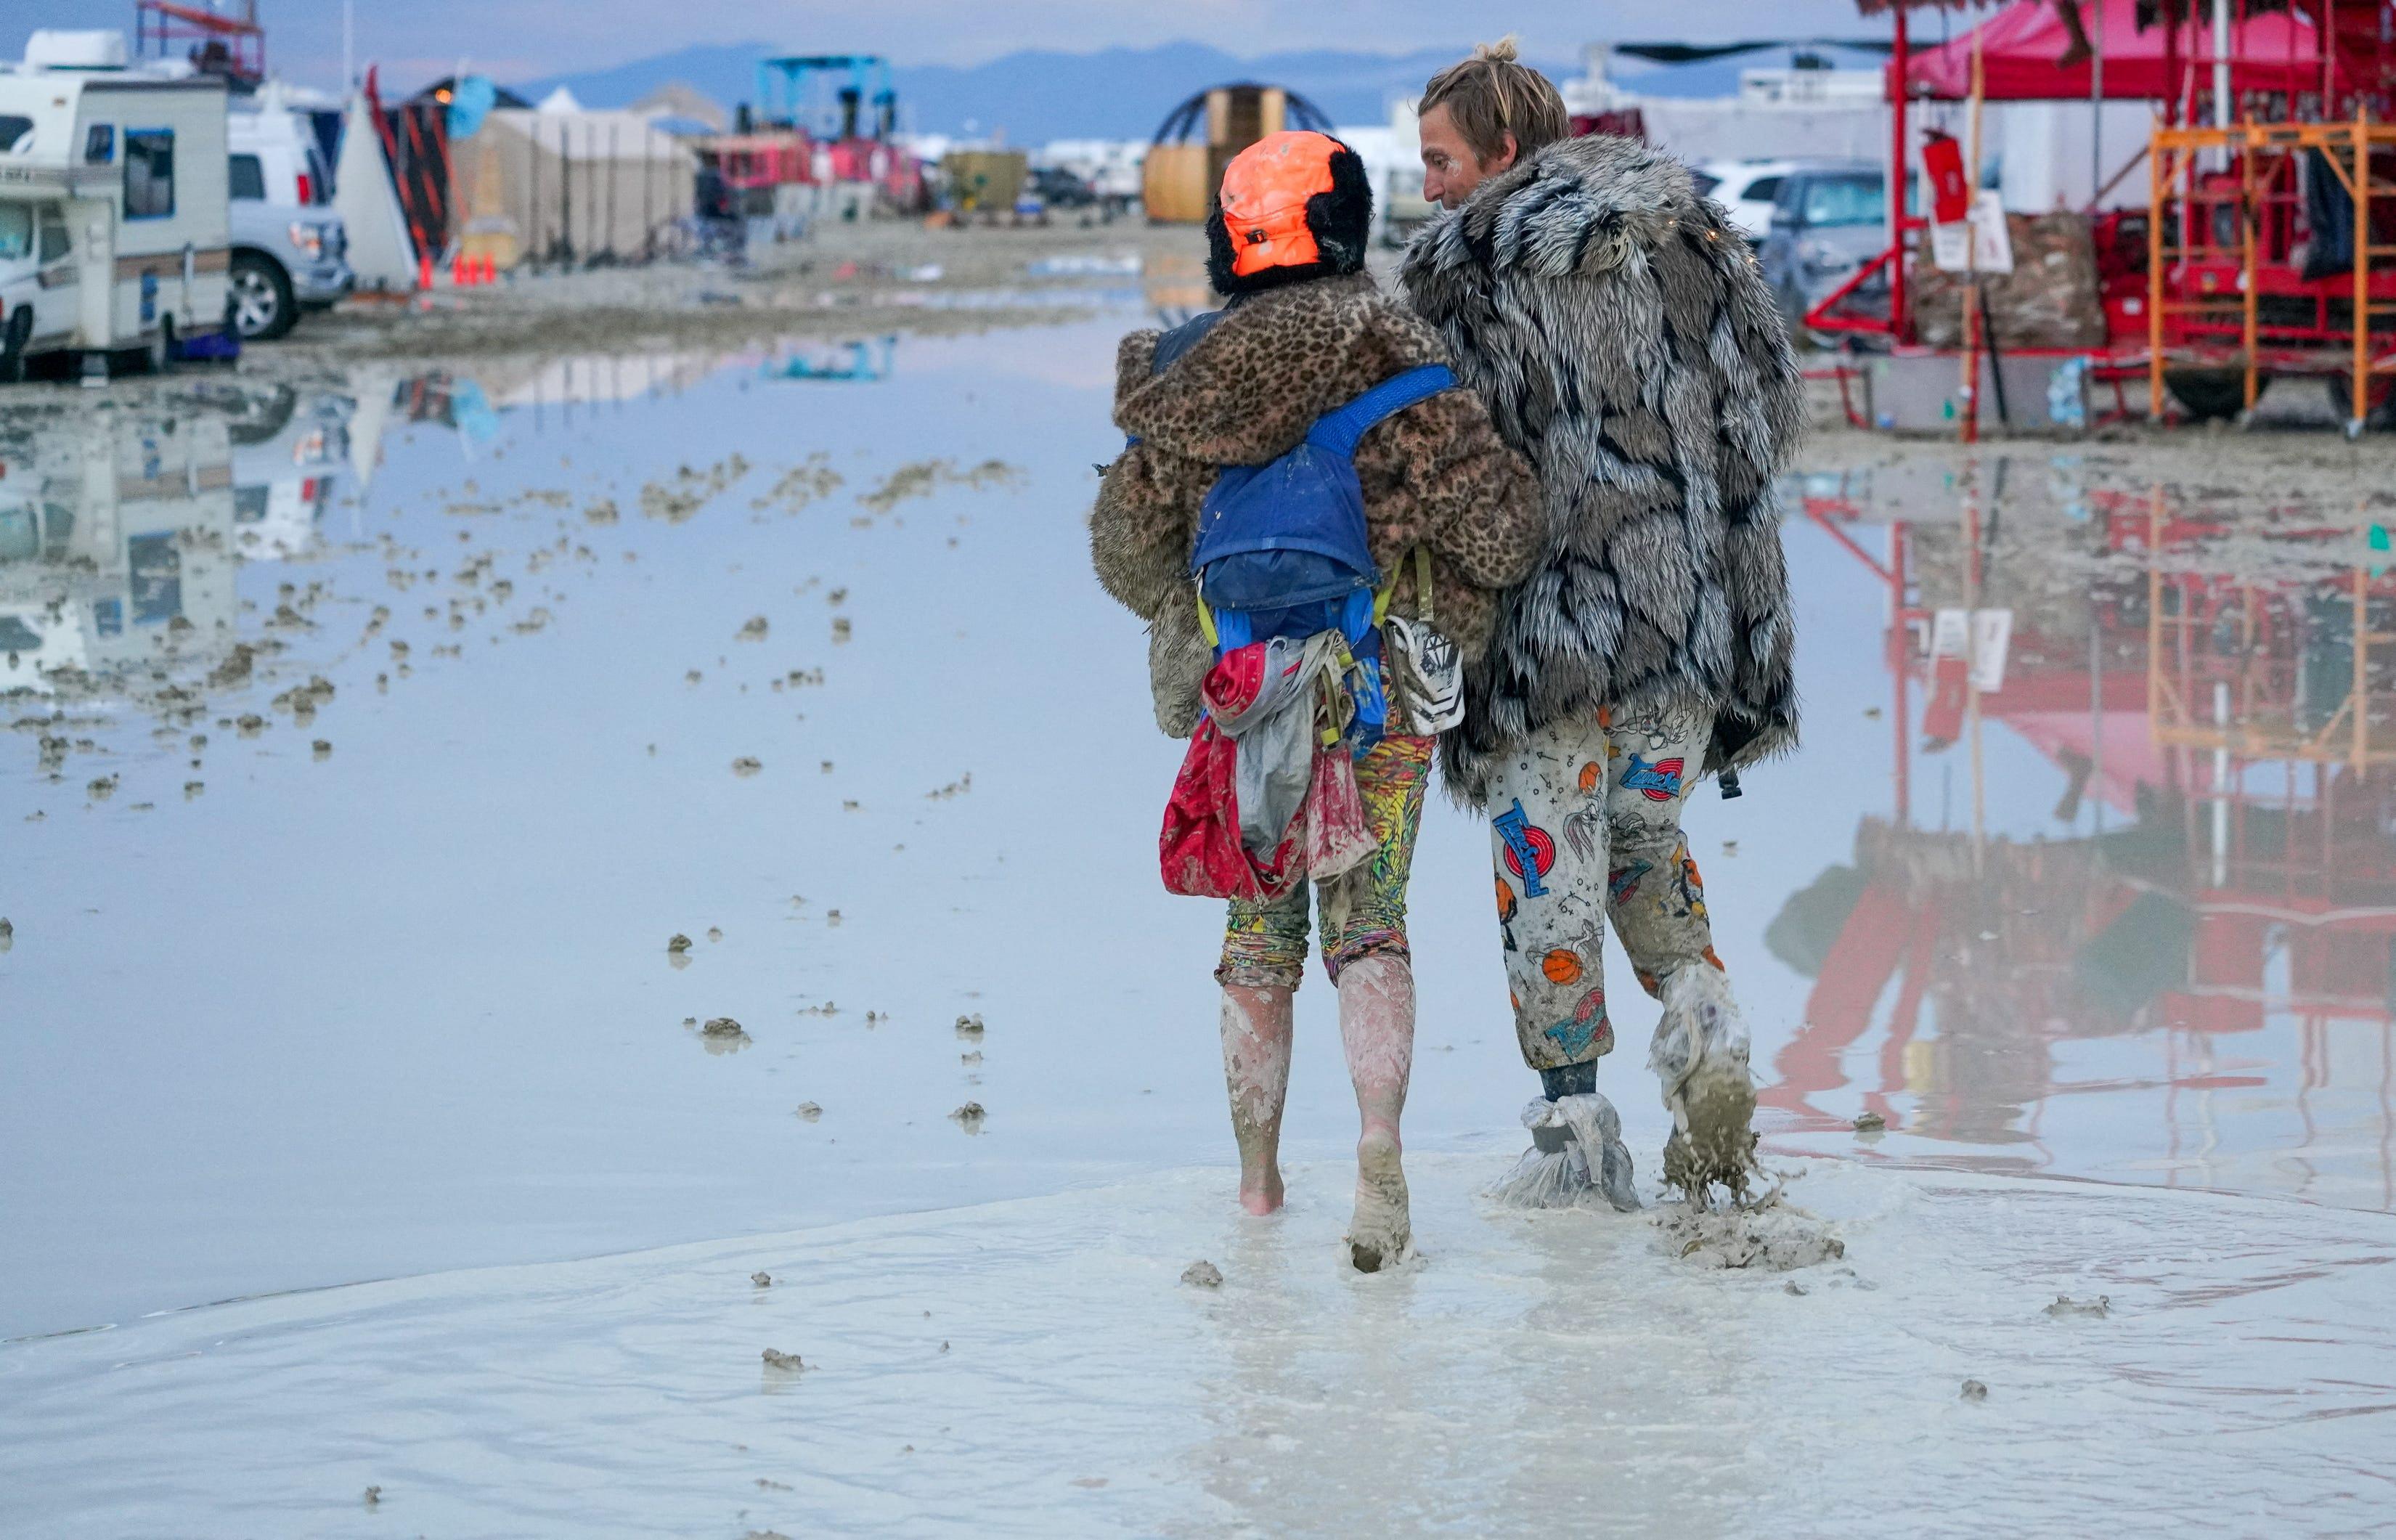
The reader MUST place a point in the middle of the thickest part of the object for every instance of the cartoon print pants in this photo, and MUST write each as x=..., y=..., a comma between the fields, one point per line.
x=1363, y=908
x=1585, y=826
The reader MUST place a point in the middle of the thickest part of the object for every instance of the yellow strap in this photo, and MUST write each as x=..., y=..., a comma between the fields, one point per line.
x=1421, y=555
x=1206, y=615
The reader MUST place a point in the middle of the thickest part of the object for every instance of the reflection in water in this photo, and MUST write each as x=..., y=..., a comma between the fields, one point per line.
x=554, y=391
x=2216, y=881
x=286, y=462
x=121, y=535
x=113, y=537
x=866, y=360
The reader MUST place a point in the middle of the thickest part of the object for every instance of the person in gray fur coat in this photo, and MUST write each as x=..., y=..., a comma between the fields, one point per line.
x=1618, y=329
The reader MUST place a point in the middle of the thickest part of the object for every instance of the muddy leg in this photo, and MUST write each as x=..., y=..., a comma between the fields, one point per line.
x=1658, y=903
x=1376, y=1028
x=1255, y=1071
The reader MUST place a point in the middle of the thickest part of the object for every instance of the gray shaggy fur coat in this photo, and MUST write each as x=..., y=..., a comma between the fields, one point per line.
x=1625, y=342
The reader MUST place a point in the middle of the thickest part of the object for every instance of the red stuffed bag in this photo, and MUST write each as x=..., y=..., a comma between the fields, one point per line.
x=1199, y=848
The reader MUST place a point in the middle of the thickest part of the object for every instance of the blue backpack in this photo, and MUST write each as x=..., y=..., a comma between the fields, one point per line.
x=1282, y=548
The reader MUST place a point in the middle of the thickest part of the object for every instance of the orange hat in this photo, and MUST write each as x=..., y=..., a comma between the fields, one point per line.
x=1264, y=198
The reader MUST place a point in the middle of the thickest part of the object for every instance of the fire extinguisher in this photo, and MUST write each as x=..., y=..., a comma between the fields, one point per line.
x=1942, y=165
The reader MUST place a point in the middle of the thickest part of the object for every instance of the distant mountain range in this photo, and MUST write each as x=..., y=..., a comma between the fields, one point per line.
x=1037, y=96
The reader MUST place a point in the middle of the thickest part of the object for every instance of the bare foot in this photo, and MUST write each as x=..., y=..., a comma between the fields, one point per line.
x=1381, y=1232
x=1261, y=1194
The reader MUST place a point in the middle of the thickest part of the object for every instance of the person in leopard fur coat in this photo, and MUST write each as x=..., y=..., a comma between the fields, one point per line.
x=1306, y=332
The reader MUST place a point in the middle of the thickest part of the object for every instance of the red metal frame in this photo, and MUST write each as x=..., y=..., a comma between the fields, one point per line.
x=158, y=24
x=2301, y=321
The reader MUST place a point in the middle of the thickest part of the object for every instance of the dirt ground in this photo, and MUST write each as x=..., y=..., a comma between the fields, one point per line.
x=852, y=280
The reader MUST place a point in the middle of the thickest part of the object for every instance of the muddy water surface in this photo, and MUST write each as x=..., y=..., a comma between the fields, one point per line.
x=372, y=743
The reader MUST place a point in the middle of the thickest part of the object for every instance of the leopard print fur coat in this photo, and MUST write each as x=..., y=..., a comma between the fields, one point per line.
x=1625, y=342
x=1434, y=475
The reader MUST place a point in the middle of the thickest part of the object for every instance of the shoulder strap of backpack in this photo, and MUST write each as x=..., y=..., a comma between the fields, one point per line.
x=1341, y=428
x=1421, y=557
x=1181, y=339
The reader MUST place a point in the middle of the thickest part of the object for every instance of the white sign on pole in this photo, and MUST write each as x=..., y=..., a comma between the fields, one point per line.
x=1992, y=636
x=1983, y=637
x=1977, y=243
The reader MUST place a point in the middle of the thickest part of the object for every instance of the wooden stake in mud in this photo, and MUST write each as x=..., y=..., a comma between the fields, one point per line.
x=1970, y=427
x=2250, y=336
x=2162, y=165
x=2361, y=390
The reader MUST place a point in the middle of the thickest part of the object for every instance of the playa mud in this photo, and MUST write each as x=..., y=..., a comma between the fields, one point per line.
x=415, y=742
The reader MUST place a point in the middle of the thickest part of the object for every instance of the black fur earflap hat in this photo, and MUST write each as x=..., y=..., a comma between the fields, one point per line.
x=1293, y=205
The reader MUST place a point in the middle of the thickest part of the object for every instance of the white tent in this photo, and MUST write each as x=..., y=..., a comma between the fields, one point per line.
x=380, y=253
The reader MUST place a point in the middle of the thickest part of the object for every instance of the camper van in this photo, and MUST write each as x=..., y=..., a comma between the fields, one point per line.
x=113, y=235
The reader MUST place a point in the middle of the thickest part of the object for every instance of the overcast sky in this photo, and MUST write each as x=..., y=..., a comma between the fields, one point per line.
x=415, y=40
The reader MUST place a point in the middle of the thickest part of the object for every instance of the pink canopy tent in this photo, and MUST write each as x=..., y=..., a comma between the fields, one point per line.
x=2019, y=46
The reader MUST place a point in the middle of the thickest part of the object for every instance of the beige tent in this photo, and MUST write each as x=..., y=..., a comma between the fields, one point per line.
x=561, y=183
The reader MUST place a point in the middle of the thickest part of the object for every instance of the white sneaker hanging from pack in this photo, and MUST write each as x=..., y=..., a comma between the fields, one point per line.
x=1435, y=676
x=1433, y=669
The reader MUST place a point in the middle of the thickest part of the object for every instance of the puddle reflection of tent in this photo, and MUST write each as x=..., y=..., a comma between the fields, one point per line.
x=2231, y=713
x=861, y=361
x=453, y=403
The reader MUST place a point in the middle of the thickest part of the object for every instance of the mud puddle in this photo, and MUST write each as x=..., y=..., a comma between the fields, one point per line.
x=2076, y=875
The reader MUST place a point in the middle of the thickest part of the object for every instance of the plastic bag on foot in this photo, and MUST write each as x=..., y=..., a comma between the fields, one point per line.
x=1701, y=1027
x=1576, y=1158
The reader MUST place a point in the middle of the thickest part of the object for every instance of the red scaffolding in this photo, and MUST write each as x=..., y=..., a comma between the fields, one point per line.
x=220, y=36
x=2232, y=285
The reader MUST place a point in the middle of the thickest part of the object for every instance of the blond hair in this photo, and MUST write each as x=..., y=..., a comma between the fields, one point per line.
x=1494, y=94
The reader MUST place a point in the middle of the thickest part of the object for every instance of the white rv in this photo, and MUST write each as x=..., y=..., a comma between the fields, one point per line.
x=113, y=233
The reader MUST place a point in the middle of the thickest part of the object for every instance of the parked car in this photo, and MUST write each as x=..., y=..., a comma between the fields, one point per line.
x=290, y=251
x=1828, y=220
x=1059, y=187
x=1747, y=190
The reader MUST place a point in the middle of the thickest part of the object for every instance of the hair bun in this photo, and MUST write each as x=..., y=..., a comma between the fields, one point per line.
x=1503, y=51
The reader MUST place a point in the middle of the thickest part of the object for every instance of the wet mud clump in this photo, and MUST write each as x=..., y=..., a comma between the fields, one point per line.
x=746, y=766
x=801, y=485
x=970, y=1027
x=1770, y=1233
x=787, y=1363
x=1202, y=1274
x=2096, y=1308
x=921, y=478
x=970, y=1116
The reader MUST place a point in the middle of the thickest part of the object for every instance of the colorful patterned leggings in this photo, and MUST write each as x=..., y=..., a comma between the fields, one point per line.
x=1586, y=827
x=1363, y=908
